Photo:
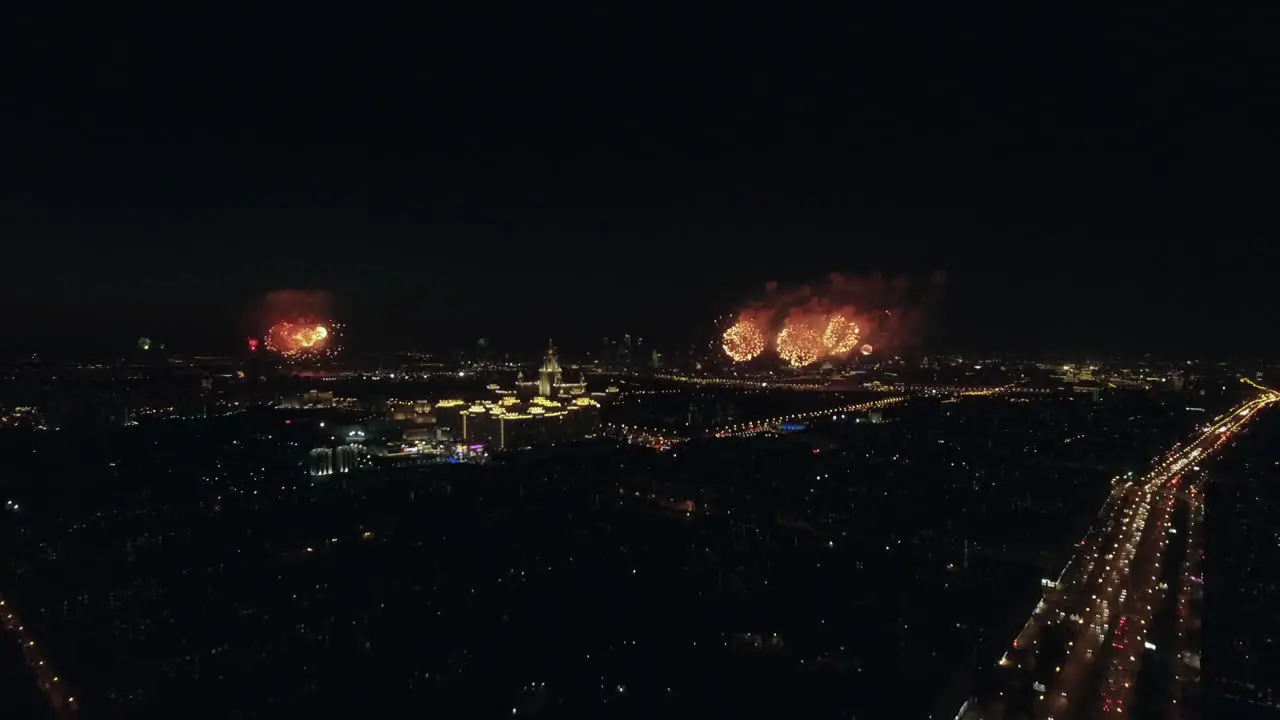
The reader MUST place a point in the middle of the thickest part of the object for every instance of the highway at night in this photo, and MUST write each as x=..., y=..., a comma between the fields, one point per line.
x=1080, y=653
x=61, y=704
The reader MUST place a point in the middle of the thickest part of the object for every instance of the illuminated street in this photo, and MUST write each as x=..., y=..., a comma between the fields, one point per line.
x=665, y=438
x=61, y=703
x=1080, y=652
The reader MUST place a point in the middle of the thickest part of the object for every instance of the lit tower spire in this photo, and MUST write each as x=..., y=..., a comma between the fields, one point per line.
x=549, y=374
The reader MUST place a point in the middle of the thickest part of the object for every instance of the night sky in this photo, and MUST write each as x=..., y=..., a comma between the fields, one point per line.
x=1088, y=183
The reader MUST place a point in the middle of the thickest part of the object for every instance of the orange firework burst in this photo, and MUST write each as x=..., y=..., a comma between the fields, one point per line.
x=799, y=345
x=841, y=335
x=743, y=341
x=298, y=339
x=867, y=350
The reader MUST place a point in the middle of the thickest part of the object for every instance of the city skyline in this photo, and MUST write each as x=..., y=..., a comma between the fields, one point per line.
x=784, y=360
x=758, y=506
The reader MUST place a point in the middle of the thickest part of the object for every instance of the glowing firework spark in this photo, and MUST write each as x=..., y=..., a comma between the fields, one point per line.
x=842, y=313
x=294, y=340
x=841, y=336
x=743, y=341
x=799, y=345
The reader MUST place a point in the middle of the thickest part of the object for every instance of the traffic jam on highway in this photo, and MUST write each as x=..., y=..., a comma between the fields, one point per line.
x=1084, y=643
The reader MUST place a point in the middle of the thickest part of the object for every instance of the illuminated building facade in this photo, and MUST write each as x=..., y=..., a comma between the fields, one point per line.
x=550, y=382
x=309, y=399
x=549, y=375
x=349, y=458
x=448, y=415
x=509, y=423
x=549, y=409
x=321, y=462
x=410, y=411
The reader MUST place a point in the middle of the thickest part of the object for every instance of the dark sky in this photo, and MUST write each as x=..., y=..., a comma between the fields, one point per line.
x=1088, y=182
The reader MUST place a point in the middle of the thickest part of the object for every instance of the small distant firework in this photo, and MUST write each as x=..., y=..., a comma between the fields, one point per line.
x=144, y=344
x=253, y=344
x=841, y=335
x=743, y=341
x=800, y=345
x=867, y=350
x=296, y=340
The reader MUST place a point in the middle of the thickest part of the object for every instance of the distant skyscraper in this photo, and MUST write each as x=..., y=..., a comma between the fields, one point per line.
x=624, y=352
x=549, y=375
